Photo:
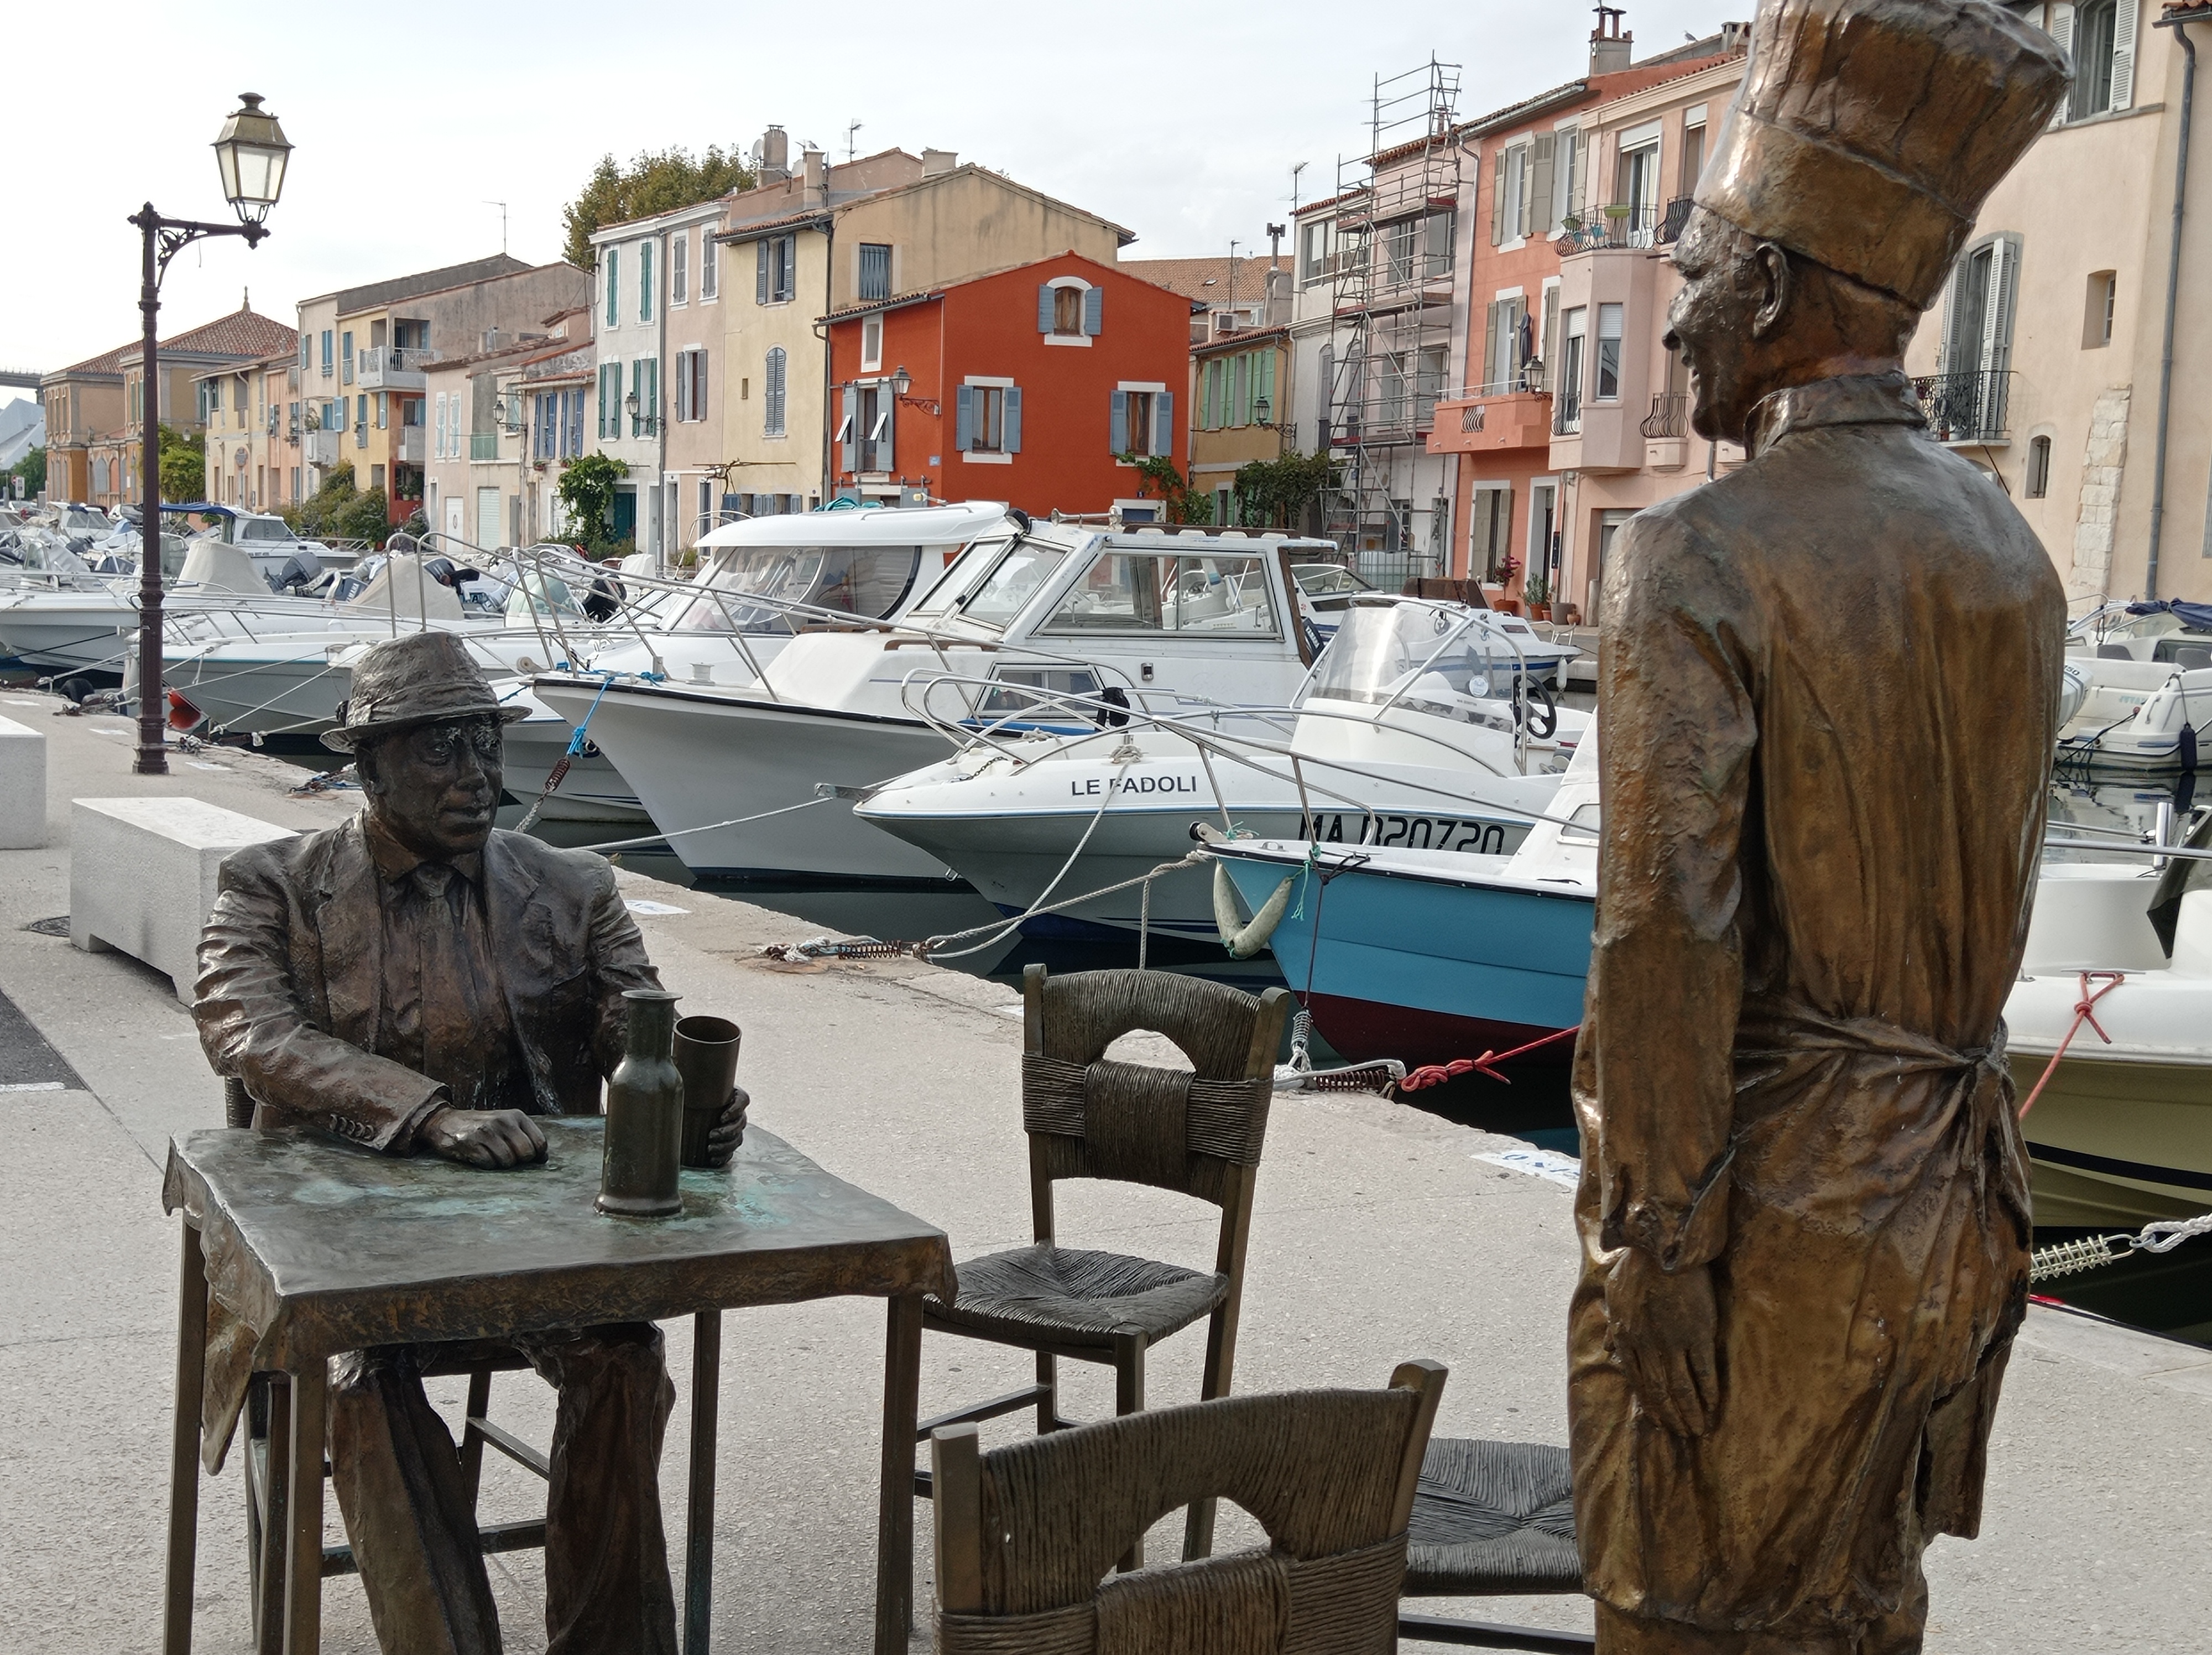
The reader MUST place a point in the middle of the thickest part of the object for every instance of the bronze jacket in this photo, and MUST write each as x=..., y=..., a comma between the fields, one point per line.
x=291, y=978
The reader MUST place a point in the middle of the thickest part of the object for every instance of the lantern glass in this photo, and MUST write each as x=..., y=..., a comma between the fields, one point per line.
x=251, y=153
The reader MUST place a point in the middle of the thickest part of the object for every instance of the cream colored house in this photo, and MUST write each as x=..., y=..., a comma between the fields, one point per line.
x=817, y=238
x=2044, y=364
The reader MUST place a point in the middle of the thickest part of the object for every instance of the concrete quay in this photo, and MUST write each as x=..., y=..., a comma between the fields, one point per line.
x=1379, y=1236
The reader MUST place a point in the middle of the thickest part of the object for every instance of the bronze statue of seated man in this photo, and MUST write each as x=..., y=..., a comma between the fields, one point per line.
x=418, y=982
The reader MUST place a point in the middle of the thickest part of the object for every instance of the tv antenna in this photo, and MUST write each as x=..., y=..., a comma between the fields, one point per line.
x=502, y=206
x=851, y=132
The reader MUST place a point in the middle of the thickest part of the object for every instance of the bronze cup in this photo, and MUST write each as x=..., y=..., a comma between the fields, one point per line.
x=707, y=1058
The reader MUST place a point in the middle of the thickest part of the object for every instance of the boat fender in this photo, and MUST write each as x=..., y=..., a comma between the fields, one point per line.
x=1115, y=697
x=2186, y=749
x=1244, y=943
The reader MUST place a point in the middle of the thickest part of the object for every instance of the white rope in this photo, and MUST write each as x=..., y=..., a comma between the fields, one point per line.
x=735, y=821
x=2091, y=1252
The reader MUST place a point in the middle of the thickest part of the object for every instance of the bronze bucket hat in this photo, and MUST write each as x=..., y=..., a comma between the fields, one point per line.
x=425, y=678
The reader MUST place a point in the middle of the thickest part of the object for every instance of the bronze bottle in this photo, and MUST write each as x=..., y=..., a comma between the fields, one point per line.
x=645, y=1115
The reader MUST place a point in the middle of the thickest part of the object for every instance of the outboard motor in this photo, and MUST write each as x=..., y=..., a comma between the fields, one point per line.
x=604, y=597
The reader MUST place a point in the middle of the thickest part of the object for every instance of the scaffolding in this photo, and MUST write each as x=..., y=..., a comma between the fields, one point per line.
x=1391, y=335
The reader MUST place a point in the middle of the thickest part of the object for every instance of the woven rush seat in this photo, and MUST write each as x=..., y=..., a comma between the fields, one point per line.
x=1492, y=1519
x=1077, y=1298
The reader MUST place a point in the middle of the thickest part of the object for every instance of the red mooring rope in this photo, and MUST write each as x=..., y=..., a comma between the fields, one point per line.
x=2085, y=1011
x=1435, y=1074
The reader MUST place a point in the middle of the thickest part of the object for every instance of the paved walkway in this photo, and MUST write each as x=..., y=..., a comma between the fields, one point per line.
x=1378, y=1237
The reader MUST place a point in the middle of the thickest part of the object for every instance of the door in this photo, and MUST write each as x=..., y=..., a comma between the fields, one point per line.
x=456, y=523
x=1609, y=524
x=489, y=527
x=625, y=514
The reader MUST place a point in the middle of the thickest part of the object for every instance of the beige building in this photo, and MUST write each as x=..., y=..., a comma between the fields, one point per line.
x=2043, y=364
x=364, y=352
x=813, y=239
x=252, y=414
x=502, y=422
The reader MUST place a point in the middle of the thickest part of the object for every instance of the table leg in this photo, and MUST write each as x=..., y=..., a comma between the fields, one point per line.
x=303, y=1585
x=699, y=1526
x=894, y=1519
x=185, y=1448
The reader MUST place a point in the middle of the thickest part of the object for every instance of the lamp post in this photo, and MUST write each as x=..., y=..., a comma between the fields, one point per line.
x=903, y=382
x=251, y=152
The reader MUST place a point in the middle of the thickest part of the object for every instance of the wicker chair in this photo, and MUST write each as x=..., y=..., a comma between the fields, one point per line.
x=1198, y=1131
x=1026, y=1534
x=1492, y=1519
x=267, y=1464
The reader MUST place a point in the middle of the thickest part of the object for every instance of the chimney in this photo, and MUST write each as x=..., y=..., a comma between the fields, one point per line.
x=1736, y=38
x=934, y=162
x=1611, y=50
x=811, y=165
x=774, y=156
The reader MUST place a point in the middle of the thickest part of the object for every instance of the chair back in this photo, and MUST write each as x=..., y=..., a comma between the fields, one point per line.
x=1027, y=1534
x=1186, y=1130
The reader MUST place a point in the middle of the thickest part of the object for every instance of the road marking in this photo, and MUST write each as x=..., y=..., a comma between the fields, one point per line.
x=1537, y=1164
x=35, y=1085
x=639, y=905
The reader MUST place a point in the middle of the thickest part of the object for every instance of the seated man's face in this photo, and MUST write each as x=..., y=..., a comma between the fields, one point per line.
x=435, y=788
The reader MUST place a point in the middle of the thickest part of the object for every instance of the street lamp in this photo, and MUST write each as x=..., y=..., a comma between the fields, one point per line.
x=902, y=382
x=250, y=152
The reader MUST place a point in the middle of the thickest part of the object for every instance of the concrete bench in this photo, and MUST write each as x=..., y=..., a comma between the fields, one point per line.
x=142, y=876
x=22, y=786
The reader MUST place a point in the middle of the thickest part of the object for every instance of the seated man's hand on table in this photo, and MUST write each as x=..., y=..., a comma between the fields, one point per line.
x=484, y=1137
x=730, y=1131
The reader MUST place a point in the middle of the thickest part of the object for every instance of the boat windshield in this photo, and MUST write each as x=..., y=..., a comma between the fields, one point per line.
x=1157, y=592
x=869, y=581
x=1433, y=660
x=962, y=572
x=535, y=590
x=1326, y=581
x=1013, y=581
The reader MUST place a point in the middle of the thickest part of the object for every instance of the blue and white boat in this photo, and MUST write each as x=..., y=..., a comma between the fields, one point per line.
x=1431, y=955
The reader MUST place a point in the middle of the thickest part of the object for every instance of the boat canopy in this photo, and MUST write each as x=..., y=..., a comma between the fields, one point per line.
x=867, y=526
x=869, y=581
x=403, y=587
x=219, y=566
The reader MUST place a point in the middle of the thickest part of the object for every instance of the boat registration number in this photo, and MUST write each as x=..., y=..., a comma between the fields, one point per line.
x=1413, y=832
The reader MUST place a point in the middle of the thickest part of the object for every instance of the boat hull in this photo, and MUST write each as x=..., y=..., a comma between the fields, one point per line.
x=2117, y=1142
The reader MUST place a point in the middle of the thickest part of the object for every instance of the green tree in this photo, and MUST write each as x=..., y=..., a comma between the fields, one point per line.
x=1160, y=473
x=652, y=183
x=339, y=511
x=586, y=490
x=1271, y=493
x=32, y=468
x=183, y=464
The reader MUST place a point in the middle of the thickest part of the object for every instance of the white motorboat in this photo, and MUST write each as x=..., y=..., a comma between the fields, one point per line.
x=1408, y=732
x=1182, y=623
x=2141, y=715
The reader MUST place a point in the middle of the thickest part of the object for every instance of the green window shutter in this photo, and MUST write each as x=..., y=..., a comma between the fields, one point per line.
x=614, y=287
x=1267, y=381
x=645, y=281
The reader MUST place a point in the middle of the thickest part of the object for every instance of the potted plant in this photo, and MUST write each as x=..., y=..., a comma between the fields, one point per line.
x=1537, y=592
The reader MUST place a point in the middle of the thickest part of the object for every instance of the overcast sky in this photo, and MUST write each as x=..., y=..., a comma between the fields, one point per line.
x=1180, y=121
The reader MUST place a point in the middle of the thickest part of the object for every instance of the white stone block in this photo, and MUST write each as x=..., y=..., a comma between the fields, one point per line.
x=142, y=876
x=22, y=786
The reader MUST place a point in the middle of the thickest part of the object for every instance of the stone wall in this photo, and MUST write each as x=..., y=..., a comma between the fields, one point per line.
x=2103, y=459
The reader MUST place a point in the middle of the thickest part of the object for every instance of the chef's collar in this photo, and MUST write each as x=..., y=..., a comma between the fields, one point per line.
x=1850, y=399
x=394, y=860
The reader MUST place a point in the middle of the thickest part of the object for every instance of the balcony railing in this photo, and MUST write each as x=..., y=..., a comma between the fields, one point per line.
x=483, y=444
x=1966, y=407
x=410, y=452
x=1678, y=216
x=1567, y=421
x=322, y=447
x=381, y=366
x=1625, y=225
x=1670, y=416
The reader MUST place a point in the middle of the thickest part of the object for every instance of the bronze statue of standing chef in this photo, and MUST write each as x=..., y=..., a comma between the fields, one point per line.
x=418, y=982
x=1827, y=701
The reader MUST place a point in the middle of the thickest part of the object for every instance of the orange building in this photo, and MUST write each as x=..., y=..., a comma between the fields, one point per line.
x=1026, y=385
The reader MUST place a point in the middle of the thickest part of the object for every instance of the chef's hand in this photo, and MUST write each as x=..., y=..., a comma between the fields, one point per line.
x=483, y=1137
x=730, y=1131
x=1665, y=1332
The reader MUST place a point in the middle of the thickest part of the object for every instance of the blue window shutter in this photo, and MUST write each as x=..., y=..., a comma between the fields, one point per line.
x=887, y=451
x=614, y=287
x=1044, y=308
x=1164, y=422
x=1118, y=441
x=1013, y=443
x=760, y=272
x=1094, y=311
x=849, y=455
x=964, y=418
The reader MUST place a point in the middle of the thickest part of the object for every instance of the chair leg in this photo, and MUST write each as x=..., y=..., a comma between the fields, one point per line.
x=1220, y=1358
x=276, y=1525
x=1129, y=1398
x=1047, y=1371
x=472, y=1439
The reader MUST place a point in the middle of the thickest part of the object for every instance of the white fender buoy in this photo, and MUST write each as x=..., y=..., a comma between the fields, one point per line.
x=1243, y=942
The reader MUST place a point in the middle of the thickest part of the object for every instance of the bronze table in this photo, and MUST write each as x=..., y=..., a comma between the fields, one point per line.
x=320, y=1247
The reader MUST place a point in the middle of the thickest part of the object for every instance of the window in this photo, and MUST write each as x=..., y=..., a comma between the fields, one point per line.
x=691, y=385
x=1316, y=253
x=575, y=426
x=645, y=386
x=2097, y=316
x=679, y=268
x=875, y=270
x=1437, y=243
x=1428, y=384
x=772, y=394
x=1636, y=185
x=775, y=279
x=867, y=435
x=710, y=268
x=1607, y=388
x=1145, y=592
x=1693, y=156
x=1399, y=240
x=614, y=287
x=327, y=353
x=1966, y=402
x=345, y=359
x=1489, y=525
x=1390, y=390
x=872, y=343
x=1070, y=310
x=382, y=409
x=2100, y=37
x=1509, y=194
x=1067, y=310
x=1569, y=418
x=610, y=396
x=1141, y=422
x=306, y=345
x=1570, y=166
x=2039, y=468
x=988, y=419
x=645, y=281
x=360, y=421
x=1507, y=345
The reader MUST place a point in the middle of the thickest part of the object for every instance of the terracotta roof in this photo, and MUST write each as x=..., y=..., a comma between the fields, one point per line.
x=244, y=333
x=1244, y=337
x=1207, y=280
